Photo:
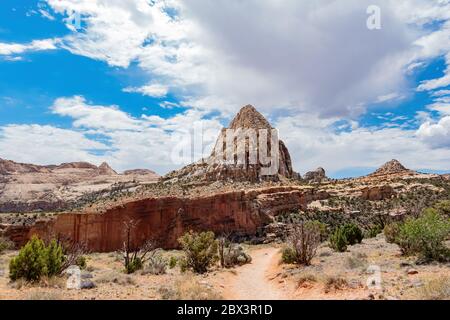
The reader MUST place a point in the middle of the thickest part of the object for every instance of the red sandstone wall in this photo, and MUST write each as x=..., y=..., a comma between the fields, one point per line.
x=166, y=219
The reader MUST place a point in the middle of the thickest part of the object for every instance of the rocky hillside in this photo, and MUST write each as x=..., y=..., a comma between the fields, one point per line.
x=28, y=187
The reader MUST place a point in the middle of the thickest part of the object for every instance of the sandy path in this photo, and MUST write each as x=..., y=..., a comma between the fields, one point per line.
x=252, y=281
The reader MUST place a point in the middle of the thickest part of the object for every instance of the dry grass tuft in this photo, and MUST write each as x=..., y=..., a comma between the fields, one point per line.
x=335, y=283
x=188, y=288
x=436, y=289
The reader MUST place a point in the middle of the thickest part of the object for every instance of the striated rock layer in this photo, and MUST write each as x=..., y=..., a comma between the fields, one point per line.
x=165, y=219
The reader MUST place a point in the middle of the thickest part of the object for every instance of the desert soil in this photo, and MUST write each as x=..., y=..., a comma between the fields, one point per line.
x=331, y=276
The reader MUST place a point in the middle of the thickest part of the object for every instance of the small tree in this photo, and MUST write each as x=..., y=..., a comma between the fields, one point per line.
x=304, y=240
x=134, y=257
x=200, y=250
x=31, y=262
x=352, y=233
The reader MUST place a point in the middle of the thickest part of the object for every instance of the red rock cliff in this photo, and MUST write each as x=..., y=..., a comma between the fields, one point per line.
x=166, y=219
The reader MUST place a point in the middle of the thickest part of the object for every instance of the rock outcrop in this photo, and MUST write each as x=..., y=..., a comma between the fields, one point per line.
x=315, y=176
x=391, y=168
x=377, y=193
x=165, y=219
x=241, y=162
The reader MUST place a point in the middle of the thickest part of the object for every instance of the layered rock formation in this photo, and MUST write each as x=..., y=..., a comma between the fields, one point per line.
x=241, y=157
x=28, y=187
x=165, y=219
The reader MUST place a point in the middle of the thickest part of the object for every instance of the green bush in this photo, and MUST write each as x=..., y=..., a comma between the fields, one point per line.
x=36, y=260
x=352, y=233
x=6, y=244
x=373, y=231
x=443, y=207
x=321, y=227
x=173, y=262
x=288, y=255
x=391, y=232
x=81, y=262
x=54, y=258
x=200, y=250
x=133, y=265
x=425, y=236
x=338, y=240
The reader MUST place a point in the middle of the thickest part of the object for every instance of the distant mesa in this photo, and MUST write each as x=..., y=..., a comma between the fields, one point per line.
x=391, y=167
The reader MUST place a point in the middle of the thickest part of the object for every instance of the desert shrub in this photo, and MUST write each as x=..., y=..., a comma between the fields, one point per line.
x=81, y=262
x=321, y=227
x=443, y=207
x=31, y=262
x=157, y=265
x=54, y=258
x=306, y=278
x=288, y=255
x=425, y=236
x=6, y=244
x=134, y=257
x=338, y=241
x=173, y=262
x=352, y=233
x=335, y=283
x=234, y=255
x=133, y=264
x=304, y=240
x=373, y=231
x=200, y=251
x=391, y=232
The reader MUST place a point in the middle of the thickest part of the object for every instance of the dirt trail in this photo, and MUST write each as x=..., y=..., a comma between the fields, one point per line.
x=253, y=281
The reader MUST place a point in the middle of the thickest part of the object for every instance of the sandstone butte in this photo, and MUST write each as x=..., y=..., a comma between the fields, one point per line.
x=165, y=218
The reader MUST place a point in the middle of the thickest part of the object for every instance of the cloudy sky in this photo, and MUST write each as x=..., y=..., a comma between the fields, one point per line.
x=125, y=81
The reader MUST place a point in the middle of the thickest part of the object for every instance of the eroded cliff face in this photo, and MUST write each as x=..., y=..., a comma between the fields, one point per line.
x=165, y=219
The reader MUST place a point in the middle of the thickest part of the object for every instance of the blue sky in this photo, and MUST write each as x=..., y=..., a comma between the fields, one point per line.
x=128, y=86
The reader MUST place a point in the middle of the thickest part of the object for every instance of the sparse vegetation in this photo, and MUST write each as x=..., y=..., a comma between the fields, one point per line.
x=391, y=232
x=335, y=283
x=157, y=265
x=200, y=251
x=435, y=289
x=135, y=257
x=5, y=244
x=188, y=288
x=303, y=242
